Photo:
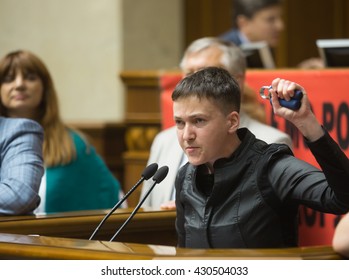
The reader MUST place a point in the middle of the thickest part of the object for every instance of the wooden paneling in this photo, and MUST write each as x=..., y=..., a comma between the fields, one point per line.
x=143, y=122
x=142, y=102
x=305, y=24
x=135, y=162
x=206, y=18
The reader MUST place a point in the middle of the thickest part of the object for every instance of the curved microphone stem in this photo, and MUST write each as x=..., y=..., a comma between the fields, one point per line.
x=158, y=177
x=116, y=207
x=134, y=211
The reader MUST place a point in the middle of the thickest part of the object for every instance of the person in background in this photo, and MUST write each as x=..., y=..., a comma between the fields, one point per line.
x=340, y=241
x=256, y=20
x=21, y=165
x=237, y=191
x=261, y=20
x=76, y=178
x=165, y=149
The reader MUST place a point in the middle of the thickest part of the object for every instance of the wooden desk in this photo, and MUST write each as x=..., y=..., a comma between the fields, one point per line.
x=13, y=246
x=150, y=235
x=147, y=226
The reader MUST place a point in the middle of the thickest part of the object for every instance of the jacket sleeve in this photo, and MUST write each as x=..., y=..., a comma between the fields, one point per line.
x=334, y=163
x=326, y=190
x=21, y=168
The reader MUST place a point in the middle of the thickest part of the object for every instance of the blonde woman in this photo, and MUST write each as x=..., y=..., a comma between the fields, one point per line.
x=76, y=178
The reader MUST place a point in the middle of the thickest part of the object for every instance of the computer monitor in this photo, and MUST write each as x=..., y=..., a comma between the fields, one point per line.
x=334, y=52
x=258, y=55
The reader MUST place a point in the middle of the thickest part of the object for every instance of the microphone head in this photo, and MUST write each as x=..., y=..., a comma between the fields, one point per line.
x=160, y=174
x=149, y=171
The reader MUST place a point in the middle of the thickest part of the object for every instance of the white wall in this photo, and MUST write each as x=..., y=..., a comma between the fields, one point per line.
x=153, y=33
x=83, y=44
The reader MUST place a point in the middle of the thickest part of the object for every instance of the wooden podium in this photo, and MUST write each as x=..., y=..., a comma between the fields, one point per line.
x=147, y=226
x=150, y=235
x=14, y=246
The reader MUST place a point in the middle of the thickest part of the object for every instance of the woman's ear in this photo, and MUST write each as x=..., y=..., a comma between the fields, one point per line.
x=233, y=120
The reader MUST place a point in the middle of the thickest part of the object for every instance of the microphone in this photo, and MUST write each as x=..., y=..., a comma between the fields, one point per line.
x=157, y=178
x=147, y=173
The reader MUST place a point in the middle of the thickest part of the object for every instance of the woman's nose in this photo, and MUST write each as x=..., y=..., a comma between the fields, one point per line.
x=19, y=80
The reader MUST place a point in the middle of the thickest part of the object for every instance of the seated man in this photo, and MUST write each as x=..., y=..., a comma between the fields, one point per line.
x=165, y=149
x=21, y=165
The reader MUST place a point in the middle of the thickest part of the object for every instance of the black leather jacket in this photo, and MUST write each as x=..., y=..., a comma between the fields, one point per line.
x=256, y=193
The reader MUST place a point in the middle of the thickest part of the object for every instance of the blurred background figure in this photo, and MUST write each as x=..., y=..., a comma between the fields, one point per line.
x=261, y=20
x=256, y=20
x=76, y=178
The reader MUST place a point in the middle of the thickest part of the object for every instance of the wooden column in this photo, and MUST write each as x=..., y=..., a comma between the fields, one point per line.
x=143, y=122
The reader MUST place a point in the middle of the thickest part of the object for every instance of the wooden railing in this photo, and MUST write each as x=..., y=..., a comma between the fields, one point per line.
x=150, y=235
x=148, y=227
x=13, y=246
